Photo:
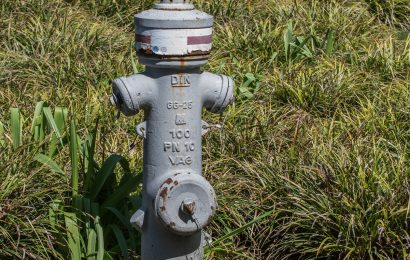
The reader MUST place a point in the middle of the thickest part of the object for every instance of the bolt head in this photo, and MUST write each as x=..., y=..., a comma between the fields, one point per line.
x=188, y=206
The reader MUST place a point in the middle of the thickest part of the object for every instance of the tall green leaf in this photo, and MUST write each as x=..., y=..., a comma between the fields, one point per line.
x=100, y=239
x=74, y=158
x=89, y=157
x=87, y=211
x=126, y=223
x=73, y=235
x=16, y=127
x=106, y=170
x=91, y=245
x=123, y=191
x=44, y=159
x=37, y=125
x=121, y=240
x=60, y=117
x=52, y=123
x=287, y=40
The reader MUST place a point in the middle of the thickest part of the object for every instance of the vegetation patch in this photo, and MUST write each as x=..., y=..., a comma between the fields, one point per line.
x=312, y=160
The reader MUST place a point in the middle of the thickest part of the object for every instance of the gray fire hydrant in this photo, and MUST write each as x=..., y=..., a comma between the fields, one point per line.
x=173, y=40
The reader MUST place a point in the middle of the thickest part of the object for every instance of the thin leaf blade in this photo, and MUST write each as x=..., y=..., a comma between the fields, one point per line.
x=44, y=159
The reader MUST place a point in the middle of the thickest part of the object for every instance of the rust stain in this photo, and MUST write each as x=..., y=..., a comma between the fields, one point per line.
x=143, y=38
x=182, y=65
x=168, y=181
x=162, y=208
x=145, y=52
x=164, y=193
x=198, y=52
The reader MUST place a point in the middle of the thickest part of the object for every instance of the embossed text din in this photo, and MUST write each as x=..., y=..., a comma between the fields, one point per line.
x=180, y=80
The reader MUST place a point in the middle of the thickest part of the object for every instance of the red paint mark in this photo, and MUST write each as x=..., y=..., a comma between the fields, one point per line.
x=143, y=38
x=193, y=40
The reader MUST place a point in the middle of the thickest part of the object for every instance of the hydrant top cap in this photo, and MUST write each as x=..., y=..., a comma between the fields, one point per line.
x=174, y=5
x=173, y=19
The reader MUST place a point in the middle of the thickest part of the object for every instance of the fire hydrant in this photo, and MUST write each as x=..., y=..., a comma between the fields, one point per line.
x=173, y=40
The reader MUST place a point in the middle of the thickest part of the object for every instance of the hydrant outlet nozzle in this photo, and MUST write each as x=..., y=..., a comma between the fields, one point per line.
x=114, y=100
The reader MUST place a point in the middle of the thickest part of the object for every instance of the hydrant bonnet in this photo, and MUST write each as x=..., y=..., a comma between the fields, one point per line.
x=173, y=34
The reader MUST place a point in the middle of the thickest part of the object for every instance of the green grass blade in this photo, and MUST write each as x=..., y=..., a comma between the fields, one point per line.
x=16, y=127
x=100, y=239
x=37, y=128
x=2, y=132
x=107, y=256
x=124, y=221
x=123, y=191
x=53, y=213
x=330, y=39
x=37, y=112
x=121, y=240
x=91, y=245
x=287, y=40
x=87, y=207
x=73, y=235
x=78, y=204
x=300, y=47
x=133, y=62
x=52, y=123
x=242, y=228
x=44, y=159
x=90, y=162
x=105, y=172
x=60, y=117
x=74, y=158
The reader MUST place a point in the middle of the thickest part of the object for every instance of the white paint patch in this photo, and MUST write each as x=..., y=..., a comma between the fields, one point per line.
x=175, y=41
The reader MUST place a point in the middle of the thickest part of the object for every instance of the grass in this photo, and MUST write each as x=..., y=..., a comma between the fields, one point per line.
x=313, y=158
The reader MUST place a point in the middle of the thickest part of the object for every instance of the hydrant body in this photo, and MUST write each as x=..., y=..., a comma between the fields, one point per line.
x=173, y=40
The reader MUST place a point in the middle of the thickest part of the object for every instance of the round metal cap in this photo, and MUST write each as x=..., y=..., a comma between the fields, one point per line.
x=185, y=203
